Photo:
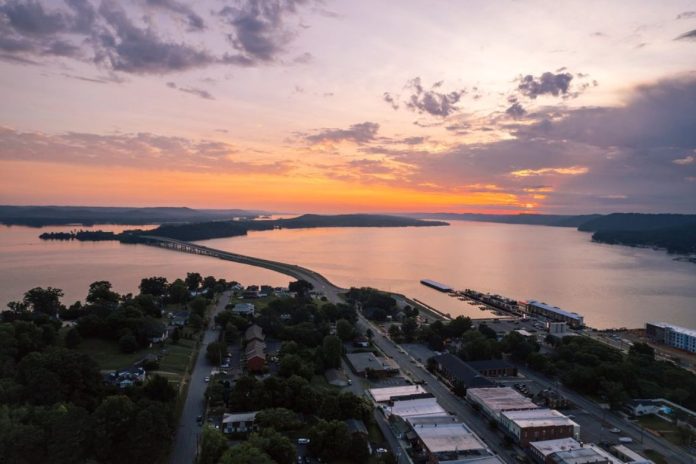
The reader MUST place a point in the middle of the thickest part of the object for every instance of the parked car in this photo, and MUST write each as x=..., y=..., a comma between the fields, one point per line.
x=303, y=441
x=207, y=379
x=615, y=430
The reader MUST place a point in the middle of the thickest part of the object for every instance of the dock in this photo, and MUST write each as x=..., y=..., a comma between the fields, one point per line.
x=436, y=285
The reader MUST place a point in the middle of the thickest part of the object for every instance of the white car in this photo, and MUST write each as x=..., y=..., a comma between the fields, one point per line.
x=207, y=379
x=303, y=441
x=615, y=430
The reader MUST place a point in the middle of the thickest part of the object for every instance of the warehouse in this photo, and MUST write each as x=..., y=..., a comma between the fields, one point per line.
x=537, y=425
x=444, y=442
x=402, y=392
x=492, y=401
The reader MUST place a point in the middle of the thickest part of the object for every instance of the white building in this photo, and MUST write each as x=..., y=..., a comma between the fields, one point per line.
x=387, y=394
x=493, y=401
x=672, y=335
x=419, y=407
x=246, y=309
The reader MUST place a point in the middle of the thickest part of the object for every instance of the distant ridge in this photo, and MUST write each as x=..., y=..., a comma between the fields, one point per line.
x=555, y=220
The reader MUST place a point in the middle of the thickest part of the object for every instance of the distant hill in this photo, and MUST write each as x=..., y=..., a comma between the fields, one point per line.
x=555, y=220
x=679, y=239
x=636, y=221
x=219, y=229
x=37, y=216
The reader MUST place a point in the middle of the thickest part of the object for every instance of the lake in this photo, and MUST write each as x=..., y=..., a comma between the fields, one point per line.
x=612, y=286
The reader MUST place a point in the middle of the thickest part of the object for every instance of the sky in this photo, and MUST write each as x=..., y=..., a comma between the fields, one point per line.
x=350, y=106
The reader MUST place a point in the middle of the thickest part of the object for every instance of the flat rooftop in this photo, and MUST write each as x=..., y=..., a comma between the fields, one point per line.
x=437, y=285
x=675, y=328
x=383, y=395
x=455, y=436
x=538, y=418
x=555, y=309
x=417, y=407
x=554, y=446
x=501, y=399
x=363, y=361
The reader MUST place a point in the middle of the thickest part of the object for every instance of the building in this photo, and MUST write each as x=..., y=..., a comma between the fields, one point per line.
x=179, y=318
x=541, y=451
x=361, y=341
x=459, y=373
x=556, y=328
x=643, y=407
x=356, y=427
x=238, y=423
x=244, y=309
x=672, y=335
x=254, y=332
x=493, y=368
x=127, y=377
x=402, y=392
x=369, y=365
x=493, y=401
x=537, y=425
x=629, y=456
x=436, y=285
x=255, y=354
x=555, y=314
x=445, y=442
x=419, y=407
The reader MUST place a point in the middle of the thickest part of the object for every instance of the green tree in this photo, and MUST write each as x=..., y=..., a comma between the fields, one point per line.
x=156, y=286
x=195, y=322
x=301, y=288
x=158, y=388
x=100, y=293
x=72, y=338
x=199, y=305
x=408, y=328
x=128, y=343
x=344, y=330
x=44, y=300
x=178, y=292
x=330, y=440
x=332, y=349
x=245, y=454
x=193, y=281
x=213, y=446
x=176, y=335
x=281, y=419
x=395, y=333
x=113, y=420
x=277, y=446
x=215, y=352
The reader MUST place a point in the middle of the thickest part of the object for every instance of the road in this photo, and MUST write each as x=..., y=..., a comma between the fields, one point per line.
x=188, y=432
x=669, y=451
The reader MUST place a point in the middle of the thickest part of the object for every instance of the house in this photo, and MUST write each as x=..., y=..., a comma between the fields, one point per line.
x=244, y=309
x=179, y=318
x=127, y=377
x=238, y=423
x=159, y=335
x=458, y=373
x=643, y=407
x=493, y=368
x=255, y=354
x=361, y=341
x=254, y=332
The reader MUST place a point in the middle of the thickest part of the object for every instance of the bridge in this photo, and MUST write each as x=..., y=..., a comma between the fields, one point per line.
x=319, y=282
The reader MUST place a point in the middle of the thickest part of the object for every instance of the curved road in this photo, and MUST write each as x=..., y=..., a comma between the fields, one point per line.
x=448, y=400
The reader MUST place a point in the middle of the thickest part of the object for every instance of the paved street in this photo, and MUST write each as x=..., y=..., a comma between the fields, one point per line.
x=188, y=433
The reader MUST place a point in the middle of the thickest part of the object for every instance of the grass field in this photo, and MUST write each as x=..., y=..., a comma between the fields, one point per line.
x=654, y=456
x=666, y=429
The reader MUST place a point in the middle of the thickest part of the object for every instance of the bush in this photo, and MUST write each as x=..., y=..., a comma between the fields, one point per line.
x=128, y=343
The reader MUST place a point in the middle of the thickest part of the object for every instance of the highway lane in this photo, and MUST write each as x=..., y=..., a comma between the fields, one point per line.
x=188, y=433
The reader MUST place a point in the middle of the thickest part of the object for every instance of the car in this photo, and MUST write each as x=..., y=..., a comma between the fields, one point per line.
x=615, y=430
x=380, y=450
x=199, y=420
x=206, y=379
x=625, y=439
x=303, y=441
x=350, y=381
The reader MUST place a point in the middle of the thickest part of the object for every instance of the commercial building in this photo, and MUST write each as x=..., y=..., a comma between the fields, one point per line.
x=493, y=368
x=459, y=373
x=556, y=328
x=540, y=451
x=629, y=456
x=420, y=407
x=672, y=335
x=569, y=451
x=555, y=314
x=255, y=354
x=402, y=392
x=493, y=401
x=446, y=442
x=239, y=422
x=369, y=365
x=537, y=425
x=254, y=332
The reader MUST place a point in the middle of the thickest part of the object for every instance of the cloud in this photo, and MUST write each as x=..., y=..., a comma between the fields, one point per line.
x=129, y=38
x=259, y=29
x=564, y=171
x=684, y=161
x=389, y=98
x=516, y=110
x=204, y=94
x=141, y=150
x=691, y=35
x=432, y=101
x=194, y=21
x=687, y=15
x=356, y=133
x=547, y=83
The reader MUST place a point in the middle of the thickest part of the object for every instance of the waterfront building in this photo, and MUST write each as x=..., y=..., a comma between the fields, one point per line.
x=555, y=313
x=672, y=335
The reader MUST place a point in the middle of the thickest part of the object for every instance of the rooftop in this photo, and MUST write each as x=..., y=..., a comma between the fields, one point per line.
x=455, y=436
x=555, y=309
x=553, y=446
x=538, y=418
x=255, y=348
x=239, y=417
x=489, y=364
x=382, y=395
x=501, y=399
x=363, y=361
x=254, y=331
x=462, y=371
x=675, y=328
x=417, y=407
x=585, y=455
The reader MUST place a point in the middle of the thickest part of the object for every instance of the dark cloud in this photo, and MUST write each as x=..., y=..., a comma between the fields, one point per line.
x=547, y=84
x=357, y=133
x=687, y=15
x=691, y=35
x=194, y=21
x=432, y=101
x=259, y=29
x=201, y=93
x=515, y=110
x=131, y=42
x=141, y=150
x=393, y=101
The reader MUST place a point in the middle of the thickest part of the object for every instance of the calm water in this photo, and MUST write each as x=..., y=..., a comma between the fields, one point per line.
x=611, y=286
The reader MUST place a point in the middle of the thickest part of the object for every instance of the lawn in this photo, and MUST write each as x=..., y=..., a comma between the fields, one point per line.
x=654, y=456
x=259, y=303
x=664, y=428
